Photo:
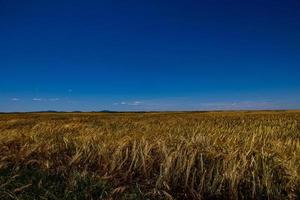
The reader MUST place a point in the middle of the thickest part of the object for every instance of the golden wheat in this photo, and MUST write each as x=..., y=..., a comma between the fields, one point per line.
x=225, y=155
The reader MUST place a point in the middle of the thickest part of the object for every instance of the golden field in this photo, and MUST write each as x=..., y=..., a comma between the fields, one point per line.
x=200, y=155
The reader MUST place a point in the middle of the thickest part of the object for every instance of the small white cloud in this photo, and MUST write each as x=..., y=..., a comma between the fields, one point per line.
x=15, y=99
x=135, y=103
x=54, y=99
x=36, y=99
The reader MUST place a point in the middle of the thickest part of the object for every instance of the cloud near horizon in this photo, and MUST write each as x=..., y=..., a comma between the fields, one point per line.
x=36, y=99
x=190, y=105
x=53, y=99
x=15, y=99
x=133, y=103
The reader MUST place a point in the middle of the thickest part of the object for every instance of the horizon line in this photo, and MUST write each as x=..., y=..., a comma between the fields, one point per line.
x=151, y=111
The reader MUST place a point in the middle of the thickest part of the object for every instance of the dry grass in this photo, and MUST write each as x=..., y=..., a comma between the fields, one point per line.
x=214, y=155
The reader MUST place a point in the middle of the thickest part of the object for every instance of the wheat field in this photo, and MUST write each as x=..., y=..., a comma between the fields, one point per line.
x=188, y=155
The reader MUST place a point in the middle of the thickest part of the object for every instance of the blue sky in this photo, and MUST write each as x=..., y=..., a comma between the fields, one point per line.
x=149, y=55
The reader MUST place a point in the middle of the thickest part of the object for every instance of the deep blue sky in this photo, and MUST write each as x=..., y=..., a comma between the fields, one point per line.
x=149, y=55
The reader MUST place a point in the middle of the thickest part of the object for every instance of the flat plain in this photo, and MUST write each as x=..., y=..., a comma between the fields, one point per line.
x=180, y=155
